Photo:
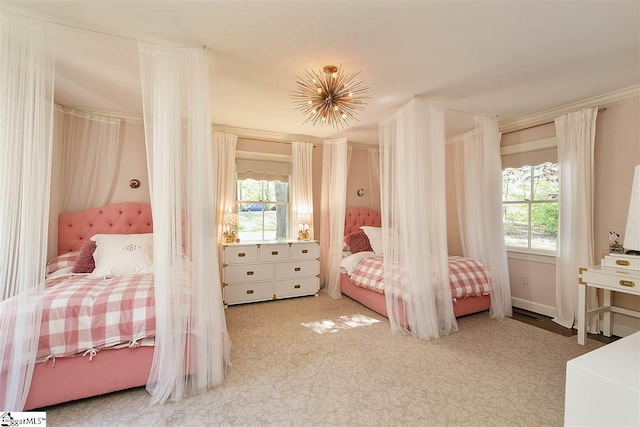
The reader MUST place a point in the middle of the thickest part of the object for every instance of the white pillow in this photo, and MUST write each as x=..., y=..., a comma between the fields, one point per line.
x=374, y=234
x=123, y=254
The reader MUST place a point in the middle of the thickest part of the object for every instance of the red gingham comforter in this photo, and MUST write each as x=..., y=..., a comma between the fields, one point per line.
x=83, y=314
x=467, y=277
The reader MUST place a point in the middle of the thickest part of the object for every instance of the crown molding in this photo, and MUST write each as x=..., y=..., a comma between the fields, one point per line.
x=265, y=135
x=127, y=117
x=551, y=114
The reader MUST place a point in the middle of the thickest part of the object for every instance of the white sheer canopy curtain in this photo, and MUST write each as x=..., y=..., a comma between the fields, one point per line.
x=192, y=345
x=301, y=185
x=224, y=151
x=27, y=57
x=332, y=210
x=414, y=227
x=478, y=172
x=374, y=177
x=89, y=159
x=575, y=136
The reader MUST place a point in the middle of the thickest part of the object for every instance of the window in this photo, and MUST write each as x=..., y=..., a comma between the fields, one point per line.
x=530, y=207
x=263, y=208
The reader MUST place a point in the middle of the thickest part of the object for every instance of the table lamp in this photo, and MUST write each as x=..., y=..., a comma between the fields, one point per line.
x=230, y=220
x=304, y=219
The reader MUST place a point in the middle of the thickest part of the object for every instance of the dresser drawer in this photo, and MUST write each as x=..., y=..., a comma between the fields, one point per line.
x=295, y=287
x=623, y=262
x=240, y=254
x=259, y=291
x=615, y=279
x=295, y=269
x=272, y=253
x=305, y=251
x=248, y=273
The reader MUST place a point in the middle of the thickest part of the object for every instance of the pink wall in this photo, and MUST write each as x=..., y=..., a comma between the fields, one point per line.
x=359, y=178
x=133, y=164
x=617, y=151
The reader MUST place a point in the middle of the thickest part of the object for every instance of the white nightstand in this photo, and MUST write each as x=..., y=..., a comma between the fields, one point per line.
x=260, y=271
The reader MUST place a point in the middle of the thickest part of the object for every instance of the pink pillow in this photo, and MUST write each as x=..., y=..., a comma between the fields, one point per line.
x=358, y=241
x=85, y=262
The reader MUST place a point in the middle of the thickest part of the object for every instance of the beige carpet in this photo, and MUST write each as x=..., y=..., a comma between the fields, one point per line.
x=359, y=374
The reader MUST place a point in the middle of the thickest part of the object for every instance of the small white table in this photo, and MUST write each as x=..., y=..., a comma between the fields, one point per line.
x=608, y=279
x=603, y=386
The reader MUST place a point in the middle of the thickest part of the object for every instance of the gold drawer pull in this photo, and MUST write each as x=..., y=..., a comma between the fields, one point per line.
x=627, y=283
x=622, y=262
x=274, y=252
x=305, y=251
x=296, y=286
x=249, y=273
x=296, y=269
x=241, y=254
x=250, y=291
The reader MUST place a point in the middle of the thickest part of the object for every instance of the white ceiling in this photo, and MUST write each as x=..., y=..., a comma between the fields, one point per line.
x=508, y=58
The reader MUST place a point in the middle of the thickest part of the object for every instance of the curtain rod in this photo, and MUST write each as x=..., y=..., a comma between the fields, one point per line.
x=252, y=138
x=600, y=110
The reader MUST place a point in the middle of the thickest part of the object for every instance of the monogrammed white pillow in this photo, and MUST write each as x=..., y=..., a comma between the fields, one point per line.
x=123, y=254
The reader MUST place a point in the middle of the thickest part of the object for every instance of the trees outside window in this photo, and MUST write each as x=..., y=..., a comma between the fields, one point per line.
x=263, y=208
x=530, y=207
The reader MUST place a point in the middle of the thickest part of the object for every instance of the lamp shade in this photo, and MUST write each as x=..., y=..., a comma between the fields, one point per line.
x=230, y=219
x=632, y=233
x=304, y=218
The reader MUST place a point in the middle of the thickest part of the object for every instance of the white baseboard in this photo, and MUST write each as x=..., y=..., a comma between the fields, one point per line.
x=621, y=330
x=616, y=329
x=533, y=306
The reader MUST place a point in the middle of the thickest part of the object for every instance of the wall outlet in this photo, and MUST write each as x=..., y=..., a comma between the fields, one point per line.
x=524, y=280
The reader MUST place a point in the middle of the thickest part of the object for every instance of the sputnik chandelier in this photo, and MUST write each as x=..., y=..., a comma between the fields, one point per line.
x=331, y=97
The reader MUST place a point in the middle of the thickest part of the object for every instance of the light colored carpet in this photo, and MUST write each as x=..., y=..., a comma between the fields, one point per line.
x=489, y=373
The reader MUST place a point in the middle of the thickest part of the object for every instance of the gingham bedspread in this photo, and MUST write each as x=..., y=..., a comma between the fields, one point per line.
x=82, y=314
x=467, y=277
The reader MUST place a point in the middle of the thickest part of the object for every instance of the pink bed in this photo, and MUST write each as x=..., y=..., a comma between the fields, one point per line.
x=71, y=378
x=357, y=217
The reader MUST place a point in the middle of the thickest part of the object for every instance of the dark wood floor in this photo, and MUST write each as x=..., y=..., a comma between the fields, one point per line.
x=546, y=323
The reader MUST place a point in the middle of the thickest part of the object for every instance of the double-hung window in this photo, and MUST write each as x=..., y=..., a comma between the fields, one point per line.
x=262, y=199
x=530, y=200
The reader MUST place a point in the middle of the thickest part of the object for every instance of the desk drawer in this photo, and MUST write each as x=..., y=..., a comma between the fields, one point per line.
x=615, y=279
x=622, y=262
x=248, y=273
x=237, y=294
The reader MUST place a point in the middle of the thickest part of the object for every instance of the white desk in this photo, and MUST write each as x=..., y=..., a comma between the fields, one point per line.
x=608, y=279
x=603, y=386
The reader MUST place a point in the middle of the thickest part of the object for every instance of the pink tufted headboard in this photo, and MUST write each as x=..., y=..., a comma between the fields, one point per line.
x=356, y=217
x=75, y=228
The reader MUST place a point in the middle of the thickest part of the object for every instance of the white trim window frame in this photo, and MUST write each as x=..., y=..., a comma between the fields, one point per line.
x=521, y=252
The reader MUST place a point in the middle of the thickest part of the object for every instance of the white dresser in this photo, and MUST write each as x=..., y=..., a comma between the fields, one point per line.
x=269, y=270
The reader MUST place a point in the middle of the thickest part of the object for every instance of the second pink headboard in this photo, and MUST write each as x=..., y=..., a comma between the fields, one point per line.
x=357, y=217
x=75, y=228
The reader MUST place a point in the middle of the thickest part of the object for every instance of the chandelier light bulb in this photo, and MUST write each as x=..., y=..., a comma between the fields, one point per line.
x=330, y=96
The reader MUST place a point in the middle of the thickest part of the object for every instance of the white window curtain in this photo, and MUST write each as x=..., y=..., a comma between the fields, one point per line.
x=27, y=57
x=575, y=136
x=89, y=154
x=224, y=151
x=478, y=172
x=374, y=177
x=191, y=345
x=332, y=210
x=56, y=180
x=301, y=185
x=414, y=224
